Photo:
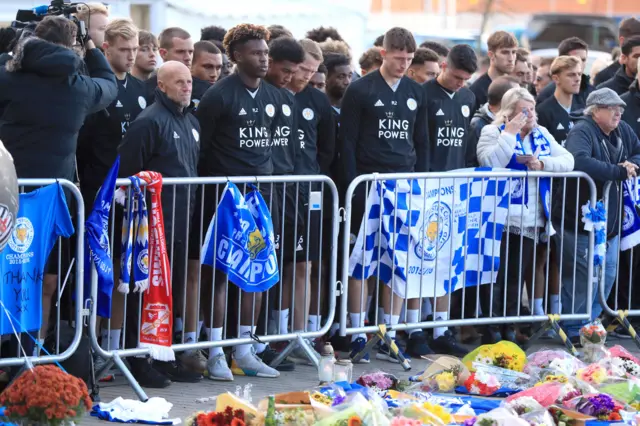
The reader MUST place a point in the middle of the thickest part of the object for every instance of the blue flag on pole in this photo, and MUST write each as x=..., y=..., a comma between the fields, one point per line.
x=240, y=241
x=97, y=243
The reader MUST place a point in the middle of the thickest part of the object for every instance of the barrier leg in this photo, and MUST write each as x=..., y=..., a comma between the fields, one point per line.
x=621, y=318
x=382, y=334
x=132, y=381
x=299, y=342
x=553, y=324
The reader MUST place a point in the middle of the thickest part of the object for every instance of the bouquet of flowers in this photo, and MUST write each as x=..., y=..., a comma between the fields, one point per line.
x=498, y=417
x=229, y=417
x=555, y=360
x=558, y=378
x=592, y=337
x=600, y=405
x=45, y=395
x=380, y=381
x=480, y=383
x=427, y=413
x=443, y=374
x=503, y=354
x=525, y=404
x=621, y=367
x=593, y=374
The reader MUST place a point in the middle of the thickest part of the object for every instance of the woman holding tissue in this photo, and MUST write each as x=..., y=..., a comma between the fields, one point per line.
x=516, y=141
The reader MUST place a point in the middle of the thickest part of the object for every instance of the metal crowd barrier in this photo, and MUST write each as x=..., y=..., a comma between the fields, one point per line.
x=622, y=302
x=319, y=282
x=71, y=274
x=521, y=309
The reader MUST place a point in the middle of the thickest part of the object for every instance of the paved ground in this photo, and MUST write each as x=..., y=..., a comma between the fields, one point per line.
x=183, y=396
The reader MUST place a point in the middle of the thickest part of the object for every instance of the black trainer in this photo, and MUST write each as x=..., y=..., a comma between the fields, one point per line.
x=417, y=345
x=448, y=345
x=490, y=336
x=268, y=355
x=146, y=375
x=175, y=371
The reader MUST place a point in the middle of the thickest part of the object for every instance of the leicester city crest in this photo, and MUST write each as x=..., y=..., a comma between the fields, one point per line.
x=628, y=218
x=435, y=231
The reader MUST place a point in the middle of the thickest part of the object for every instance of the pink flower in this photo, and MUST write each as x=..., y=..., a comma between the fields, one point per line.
x=403, y=421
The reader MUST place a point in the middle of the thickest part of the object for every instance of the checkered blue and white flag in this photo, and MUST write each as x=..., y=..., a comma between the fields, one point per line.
x=630, y=236
x=432, y=236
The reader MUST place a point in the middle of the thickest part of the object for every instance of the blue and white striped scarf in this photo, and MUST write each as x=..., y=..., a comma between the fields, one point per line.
x=135, y=246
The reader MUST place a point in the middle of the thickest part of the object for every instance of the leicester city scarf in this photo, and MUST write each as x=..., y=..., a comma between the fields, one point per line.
x=97, y=240
x=630, y=218
x=135, y=240
x=536, y=144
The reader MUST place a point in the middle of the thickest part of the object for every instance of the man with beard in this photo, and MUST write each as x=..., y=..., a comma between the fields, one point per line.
x=146, y=58
x=373, y=105
x=238, y=116
x=625, y=75
x=572, y=46
x=502, y=53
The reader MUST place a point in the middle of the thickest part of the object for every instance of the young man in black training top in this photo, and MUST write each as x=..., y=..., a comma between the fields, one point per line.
x=439, y=48
x=207, y=62
x=145, y=63
x=628, y=28
x=99, y=139
x=425, y=66
x=502, y=54
x=572, y=46
x=238, y=116
x=449, y=110
x=383, y=128
x=319, y=79
x=625, y=75
x=553, y=113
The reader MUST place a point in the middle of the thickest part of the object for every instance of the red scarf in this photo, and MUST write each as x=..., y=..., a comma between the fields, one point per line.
x=157, y=302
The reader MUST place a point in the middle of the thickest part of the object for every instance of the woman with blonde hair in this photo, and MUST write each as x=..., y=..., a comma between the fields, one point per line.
x=516, y=141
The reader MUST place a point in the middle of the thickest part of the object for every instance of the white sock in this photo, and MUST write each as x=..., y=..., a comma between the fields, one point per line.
x=259, y=347
x=369, y=299
x=554, y=303
x=380, y=316
x=538, y=306
x=439, y=331
x=114, y=339
x=284, y=321
x=335, y=328
x=200, y=324
x=36, y=349
x=394, y=321
x=177, y=325
x=427, y=309
x=357, y=320
x=214, y=335
x=413, y=317
x=314, y=322
x=190, y=337
x=241, y=350
x=106, y=342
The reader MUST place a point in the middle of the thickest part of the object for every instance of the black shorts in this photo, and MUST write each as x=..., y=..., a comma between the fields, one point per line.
x=358, y=209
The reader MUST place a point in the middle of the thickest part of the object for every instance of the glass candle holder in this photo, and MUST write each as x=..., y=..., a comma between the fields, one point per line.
x=343, y=371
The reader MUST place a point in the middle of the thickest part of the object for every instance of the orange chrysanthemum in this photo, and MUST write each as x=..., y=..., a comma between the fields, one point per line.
x=354, y=421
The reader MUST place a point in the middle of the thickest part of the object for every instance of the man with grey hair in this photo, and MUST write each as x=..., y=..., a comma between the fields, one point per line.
x=607, y=149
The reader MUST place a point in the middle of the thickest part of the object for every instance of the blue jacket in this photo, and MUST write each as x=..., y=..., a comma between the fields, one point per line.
x=586, y=141
x=46, y=100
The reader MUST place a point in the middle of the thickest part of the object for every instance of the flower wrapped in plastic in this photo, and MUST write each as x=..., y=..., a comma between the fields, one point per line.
x=380, y=381
x=442, y=374
x=601, y=406
x=503, y=354
x=545, y=394
x=547, y=376
x=524, y=404
x=480, y=383
x=427, y=413
x=554, y=360
x=594, y=374
x=593, y=337
x=539, y=418
x=498, y=417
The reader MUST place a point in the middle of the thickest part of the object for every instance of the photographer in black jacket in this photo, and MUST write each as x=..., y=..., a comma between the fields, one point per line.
x=47, y=100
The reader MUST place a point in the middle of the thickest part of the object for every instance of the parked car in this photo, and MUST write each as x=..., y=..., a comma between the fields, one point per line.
x=546, y=31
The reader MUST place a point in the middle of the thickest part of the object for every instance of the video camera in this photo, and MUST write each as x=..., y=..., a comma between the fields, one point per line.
x=28, y=17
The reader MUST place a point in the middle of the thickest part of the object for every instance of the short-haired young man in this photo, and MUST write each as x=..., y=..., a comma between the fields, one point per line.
x=146, y=57
x=632, y=111
x=625, y=75
x=207, y=62
x=553, y=113
x=319, y=79
x=628, y=28
x=175, y=45
x=439, y=48
x=277, y=31
x=378, y=41
x=543, y=76
x=425, y=66
x=449, y=108
x=238, y=116
x=339, y=75
x=521, y=69
x=487, y=112
x=370, y=60
x=212, y=32
x=383, y=128
x=502, y=53
x=95, y=17
x=573, y=46
x=322, y=34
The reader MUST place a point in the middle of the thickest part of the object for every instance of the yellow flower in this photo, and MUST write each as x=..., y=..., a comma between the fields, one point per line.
x=437, y=411
x=446, y=381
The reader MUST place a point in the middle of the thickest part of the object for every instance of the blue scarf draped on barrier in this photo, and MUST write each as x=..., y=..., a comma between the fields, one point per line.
x=240, y=241
x=630, y=236
x=97, y=241
x=135, y=245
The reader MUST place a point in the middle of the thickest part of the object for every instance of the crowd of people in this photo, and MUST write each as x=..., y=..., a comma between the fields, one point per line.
x=253, y=100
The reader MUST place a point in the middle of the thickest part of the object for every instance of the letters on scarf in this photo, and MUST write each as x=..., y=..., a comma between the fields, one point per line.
x=97, y=244
x=630, y=217
x=240, y=240
x=426, y=239
x=155, y=282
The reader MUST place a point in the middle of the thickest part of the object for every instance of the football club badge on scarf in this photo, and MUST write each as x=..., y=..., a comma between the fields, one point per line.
x=427, y=239
x=97, y=240
x=240, y=241
x=630, y=218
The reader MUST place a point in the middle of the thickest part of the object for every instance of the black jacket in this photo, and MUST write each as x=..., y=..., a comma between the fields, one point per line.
x=594, y=155
x=606, y=73
x=165, y=139
x=632, y=110
x=579, y=100
x=47, y=101
x=480, y=119
x=619, y=83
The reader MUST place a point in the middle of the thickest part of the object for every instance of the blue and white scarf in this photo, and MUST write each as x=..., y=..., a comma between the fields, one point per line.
x=538, y=145
x=135, y=246
x=630, y=218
